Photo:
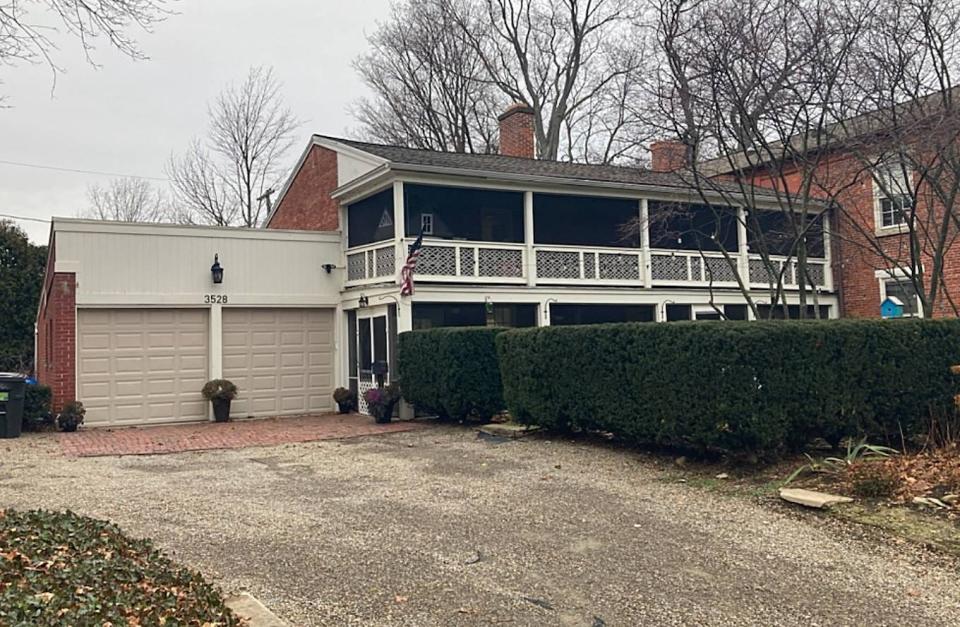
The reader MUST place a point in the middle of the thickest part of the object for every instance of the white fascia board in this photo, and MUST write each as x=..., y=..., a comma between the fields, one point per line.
x=77, y=225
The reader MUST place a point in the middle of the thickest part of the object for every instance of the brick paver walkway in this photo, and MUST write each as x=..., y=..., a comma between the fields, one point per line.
x=206, y=436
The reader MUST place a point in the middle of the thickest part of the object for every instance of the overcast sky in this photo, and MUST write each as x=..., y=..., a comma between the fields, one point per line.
x=127, y=117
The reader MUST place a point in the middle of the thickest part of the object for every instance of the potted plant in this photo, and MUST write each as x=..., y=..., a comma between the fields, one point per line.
x=71, y=417
x=220, y=392
x=346, y=400
x=381, y=402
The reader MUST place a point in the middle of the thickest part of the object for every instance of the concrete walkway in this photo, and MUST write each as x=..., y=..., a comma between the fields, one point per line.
x=216, y=436
x=438, y=527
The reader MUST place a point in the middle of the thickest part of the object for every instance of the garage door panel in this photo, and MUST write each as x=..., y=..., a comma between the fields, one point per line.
x=142, y=366
x=283, y=354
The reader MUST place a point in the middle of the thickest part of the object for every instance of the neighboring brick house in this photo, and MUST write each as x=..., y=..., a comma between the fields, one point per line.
x=873, y=194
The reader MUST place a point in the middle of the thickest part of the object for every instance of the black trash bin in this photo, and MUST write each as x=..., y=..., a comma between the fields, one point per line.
x=12, y=390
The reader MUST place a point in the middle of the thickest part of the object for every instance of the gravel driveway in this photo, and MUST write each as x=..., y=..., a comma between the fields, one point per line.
x=438, y=527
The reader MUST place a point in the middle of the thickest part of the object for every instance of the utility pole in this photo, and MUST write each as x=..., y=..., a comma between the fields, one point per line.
x=266, y=196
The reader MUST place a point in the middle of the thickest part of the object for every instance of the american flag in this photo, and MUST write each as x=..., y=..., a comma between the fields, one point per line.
x=406, y=273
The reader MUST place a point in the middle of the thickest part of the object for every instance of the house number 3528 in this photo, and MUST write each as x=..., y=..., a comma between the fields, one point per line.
x=215, y=299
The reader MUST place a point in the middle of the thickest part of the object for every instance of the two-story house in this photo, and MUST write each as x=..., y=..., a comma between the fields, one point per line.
x=132, y=321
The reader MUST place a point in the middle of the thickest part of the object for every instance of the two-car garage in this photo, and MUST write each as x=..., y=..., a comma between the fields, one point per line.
x=147, y=366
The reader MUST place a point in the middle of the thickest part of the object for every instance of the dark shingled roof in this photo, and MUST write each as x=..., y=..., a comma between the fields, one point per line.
x=499, y=164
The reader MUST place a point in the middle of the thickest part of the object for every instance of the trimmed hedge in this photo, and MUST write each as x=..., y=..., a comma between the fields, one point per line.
x=453, y=372
x=757, y=387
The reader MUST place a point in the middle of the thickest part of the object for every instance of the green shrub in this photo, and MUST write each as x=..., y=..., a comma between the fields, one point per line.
x=453, y=372
x=758, y=387
x=37, y=414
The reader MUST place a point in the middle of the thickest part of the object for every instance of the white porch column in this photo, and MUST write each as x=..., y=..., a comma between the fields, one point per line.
x=404, y=314
x=645, y=269
x=743, y=262
x=828, y=253
x=543, y=313
x=528, y=239
x=400, y=228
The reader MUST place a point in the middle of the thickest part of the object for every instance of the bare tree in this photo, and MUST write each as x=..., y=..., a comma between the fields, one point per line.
x=901, y=135
x=127, y=200
x=427, y=85
x=754, y=82
x=441, y=71
x=223, y=179
x=25, y=37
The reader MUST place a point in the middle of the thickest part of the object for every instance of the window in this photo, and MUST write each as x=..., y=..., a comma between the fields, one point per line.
x=893, y=198
x=480, y=215
x=903, y=289
x=371, y=219
x=679, y=312
x=435, y=315
x=599, y=314
x=426, y=223
x=766, y=312
x=561, y=219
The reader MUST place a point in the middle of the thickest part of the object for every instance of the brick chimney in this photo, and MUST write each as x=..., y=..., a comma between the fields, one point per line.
x=517, y=132
x=668, y=155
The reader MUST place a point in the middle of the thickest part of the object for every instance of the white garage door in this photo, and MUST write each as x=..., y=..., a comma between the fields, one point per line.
x=281, y=359
x=142, y=366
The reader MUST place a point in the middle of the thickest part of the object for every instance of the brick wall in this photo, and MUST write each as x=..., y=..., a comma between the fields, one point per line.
x=858, y=253
x=57, y=338
x=307, y=205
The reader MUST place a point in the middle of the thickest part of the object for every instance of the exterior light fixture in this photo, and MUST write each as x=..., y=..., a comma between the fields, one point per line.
x=217, y=270
x=364, y=301
x=329, y=267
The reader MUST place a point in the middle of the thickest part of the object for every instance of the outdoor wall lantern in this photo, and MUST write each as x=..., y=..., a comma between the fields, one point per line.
x=217, y=270
x=364, y=301
x=329, y=267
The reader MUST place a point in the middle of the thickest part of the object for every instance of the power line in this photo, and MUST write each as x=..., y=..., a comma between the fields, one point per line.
x=10, y=215
x=76, y=171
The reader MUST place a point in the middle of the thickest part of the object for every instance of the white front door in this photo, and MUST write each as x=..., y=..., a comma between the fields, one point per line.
x=372, y=341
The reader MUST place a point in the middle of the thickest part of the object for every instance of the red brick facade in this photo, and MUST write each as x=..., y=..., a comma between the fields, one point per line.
x=517, y=132
x=57, y=337
x=856, y=244
x=307, y=205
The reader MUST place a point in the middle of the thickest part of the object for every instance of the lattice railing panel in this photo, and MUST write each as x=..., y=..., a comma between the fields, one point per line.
x=356, y=266
x=386, y=261
x=557, y=264
x=760, y=273
x=669, y=268
x=437, y=260
x=500, y=262
x=817, y=273
x=616, y=266
x=719, y=269
x=696, y=269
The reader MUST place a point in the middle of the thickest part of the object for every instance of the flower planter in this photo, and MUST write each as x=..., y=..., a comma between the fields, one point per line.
x=344, y=408
x=221, y=409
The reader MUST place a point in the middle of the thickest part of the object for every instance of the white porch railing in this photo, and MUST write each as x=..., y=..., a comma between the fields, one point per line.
x=448, y=261
x=673, y=267
x=374, y=263
x=472, y=262
x=575, y=265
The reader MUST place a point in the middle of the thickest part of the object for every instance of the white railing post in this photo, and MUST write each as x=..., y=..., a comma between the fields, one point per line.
x=828, y=255
x=646, y=273
x=530, y=258
x=400, y=228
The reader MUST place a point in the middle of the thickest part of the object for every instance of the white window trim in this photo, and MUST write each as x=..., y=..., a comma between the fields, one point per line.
x=895, y=274
x=423, y=218
x=884, y=169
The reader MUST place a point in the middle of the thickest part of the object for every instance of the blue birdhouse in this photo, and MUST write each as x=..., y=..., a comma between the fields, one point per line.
x=892, y=307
